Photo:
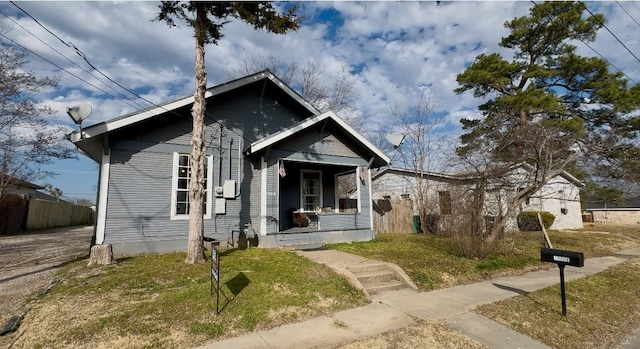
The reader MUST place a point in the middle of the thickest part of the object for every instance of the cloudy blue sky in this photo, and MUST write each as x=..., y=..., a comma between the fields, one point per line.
x=395, y=50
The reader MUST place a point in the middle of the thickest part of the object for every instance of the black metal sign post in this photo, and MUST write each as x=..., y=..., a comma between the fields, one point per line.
x=215, y=275
x=562, y=258
x=562, y=290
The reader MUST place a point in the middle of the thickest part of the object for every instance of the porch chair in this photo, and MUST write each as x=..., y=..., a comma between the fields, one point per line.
x=299, y=218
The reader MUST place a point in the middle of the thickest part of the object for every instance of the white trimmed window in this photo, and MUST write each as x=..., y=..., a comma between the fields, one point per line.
x=180, y=186
x=311, y=190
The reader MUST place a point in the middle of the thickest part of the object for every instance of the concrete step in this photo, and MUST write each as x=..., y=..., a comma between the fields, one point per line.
x=377, y=277
x=378, y=287
x=305, y=246
x=301, y=242
x=369, y=277
x=368, y=267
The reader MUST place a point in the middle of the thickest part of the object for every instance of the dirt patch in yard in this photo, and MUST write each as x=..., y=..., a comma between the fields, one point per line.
x=29, y=261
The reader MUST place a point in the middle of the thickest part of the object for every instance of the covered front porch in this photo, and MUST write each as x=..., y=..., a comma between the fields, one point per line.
x=312, y=239
x=318, y=196
x=315, y=183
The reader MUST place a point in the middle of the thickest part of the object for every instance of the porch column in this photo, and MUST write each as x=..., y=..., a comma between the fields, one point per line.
x=101, y=220
x=263, y=195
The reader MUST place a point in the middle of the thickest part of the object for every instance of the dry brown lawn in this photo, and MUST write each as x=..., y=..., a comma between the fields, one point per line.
x=433, y=334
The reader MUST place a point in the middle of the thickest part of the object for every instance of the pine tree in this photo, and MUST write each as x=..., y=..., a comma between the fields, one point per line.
x=548, y=107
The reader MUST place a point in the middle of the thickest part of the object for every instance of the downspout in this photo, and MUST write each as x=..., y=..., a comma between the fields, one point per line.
x=220, y=156
x=239, y=165
x=264, y=87
x=230, y=145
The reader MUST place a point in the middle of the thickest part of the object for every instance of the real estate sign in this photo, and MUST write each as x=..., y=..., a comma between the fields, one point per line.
x=215, y=275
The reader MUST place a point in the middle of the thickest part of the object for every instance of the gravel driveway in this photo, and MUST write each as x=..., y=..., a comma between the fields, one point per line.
x=29, y=261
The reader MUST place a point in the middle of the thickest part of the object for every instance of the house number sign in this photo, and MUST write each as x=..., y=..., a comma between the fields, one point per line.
x=562, y=258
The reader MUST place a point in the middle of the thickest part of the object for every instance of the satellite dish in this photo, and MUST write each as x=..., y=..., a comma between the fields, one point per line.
x=79, y=113
x=395, y=139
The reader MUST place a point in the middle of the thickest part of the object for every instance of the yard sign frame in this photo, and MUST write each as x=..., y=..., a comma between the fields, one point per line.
x=215, y=275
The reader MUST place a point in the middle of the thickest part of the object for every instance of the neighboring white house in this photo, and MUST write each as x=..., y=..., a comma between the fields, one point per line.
x=560, y=196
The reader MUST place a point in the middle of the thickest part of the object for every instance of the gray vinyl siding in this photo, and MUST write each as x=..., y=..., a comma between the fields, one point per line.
x=139, y=197
x=141, y=173
x=130, y=215
x=244, y=114
x=313, y=142
x=139, y=203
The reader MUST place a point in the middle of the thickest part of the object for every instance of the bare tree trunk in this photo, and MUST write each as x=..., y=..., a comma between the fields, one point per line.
x=195, y=247
x=495, y=231
x=501, y=221
x=478, y=207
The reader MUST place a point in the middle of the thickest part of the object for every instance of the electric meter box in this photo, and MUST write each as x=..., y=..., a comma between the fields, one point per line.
x=229, y=189
x=221, y=206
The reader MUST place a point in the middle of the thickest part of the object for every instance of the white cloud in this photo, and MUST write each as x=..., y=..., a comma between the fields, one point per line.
x=394, y=48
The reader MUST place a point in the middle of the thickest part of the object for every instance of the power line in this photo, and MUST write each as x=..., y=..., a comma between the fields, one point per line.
x=84, y=57
x=52, y=63
x=77, y=65
x=627, y=12
x=609, y=30
x=594, y=50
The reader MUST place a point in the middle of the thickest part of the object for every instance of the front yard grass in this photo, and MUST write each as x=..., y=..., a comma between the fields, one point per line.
x=158, y=301
x=432, y=262
x=601, y=310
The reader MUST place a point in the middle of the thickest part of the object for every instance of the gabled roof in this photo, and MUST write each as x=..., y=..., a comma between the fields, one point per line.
x=139, y=116
x=469, y=176
x=564, y=174
x=44, y=196
x=409, y=172
x=274, y=138
x=18, y=183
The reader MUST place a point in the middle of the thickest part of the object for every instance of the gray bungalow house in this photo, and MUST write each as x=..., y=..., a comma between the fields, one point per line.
x=276, y=167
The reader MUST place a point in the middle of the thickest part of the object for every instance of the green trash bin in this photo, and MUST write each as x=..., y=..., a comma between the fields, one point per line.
x=416, y=224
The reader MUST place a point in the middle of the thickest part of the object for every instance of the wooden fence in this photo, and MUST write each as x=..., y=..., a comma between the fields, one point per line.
x=49, y=214
x=20, y=214
x=393, y=216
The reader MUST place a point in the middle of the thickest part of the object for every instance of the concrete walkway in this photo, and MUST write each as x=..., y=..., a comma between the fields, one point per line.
x=397, y=309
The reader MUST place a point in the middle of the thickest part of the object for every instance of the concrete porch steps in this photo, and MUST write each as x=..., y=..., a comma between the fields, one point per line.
x=377, y=278
x=300, y=241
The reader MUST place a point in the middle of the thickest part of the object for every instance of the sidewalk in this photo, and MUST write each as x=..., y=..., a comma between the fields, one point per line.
x=394, y=310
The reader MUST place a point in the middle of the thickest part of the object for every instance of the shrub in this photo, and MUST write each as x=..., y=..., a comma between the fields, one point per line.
x=472, y=246
x=528, y=220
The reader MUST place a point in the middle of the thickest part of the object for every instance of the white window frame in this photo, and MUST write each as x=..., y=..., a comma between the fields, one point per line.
x=302, y=195
x=174, y=188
